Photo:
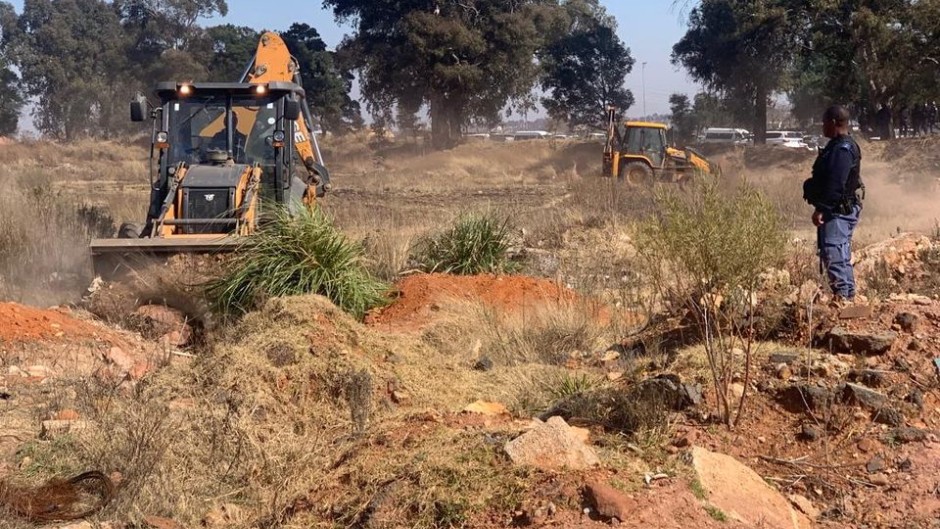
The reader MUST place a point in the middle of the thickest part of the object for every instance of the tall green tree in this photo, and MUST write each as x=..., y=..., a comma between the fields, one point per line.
x=71, y=54
x=462, y=60
x=586, y=68
x=12, y=97
x=232, y=48
x=683, y=121
x=742, y=49
x=327, y=85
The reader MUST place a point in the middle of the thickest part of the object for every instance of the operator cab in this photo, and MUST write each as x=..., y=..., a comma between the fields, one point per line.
x=216, y=131
x=645, y=139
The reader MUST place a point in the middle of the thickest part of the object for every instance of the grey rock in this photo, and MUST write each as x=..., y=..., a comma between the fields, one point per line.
x=783, y=358
x=875, y=465
x=810, y=433
x=797, y=398
x=907, y=434
x=669, y=390
x=483, y=364
x=860, y=343
x=889, y=416
x=906, y=465
x=870, y=377
x=551, y=445
x=916, y=397
x=867, y=398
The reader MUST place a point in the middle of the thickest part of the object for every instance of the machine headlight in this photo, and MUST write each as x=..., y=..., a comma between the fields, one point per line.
x=163, y=137
x=279, y=136
x=185, y=89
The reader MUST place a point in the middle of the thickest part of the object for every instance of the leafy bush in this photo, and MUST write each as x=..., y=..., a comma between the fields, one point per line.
x=705, y=253
x=298, y=254
x=477, y=244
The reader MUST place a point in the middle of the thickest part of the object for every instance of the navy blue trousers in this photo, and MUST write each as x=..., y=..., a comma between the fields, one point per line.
x=835, y=249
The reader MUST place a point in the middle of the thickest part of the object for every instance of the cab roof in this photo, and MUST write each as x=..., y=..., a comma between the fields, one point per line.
x=170, y=89
x=646, y=124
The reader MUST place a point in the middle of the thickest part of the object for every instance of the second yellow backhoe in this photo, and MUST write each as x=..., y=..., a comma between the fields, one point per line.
x=224, y=156
x=638, y=153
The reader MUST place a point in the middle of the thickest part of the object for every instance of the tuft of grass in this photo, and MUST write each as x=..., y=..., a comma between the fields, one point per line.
x=297, y=254
x=477, y=244
x=698, y=490
x=717, y=514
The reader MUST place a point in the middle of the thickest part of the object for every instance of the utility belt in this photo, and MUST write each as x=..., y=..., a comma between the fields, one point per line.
x=847, y=205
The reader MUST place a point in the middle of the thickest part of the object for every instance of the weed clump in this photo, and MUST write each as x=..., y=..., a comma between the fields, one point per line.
x=477, y=244
x=298, y=254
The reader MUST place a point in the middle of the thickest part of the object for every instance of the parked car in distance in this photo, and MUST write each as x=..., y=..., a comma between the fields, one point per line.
x=786, y=138
x=523, y=135
x=732, y=136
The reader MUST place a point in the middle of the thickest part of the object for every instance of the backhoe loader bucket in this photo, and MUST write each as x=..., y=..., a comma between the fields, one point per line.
x=113, y=257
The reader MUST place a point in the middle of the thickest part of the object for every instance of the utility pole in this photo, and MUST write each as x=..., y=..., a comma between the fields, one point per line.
x=644, y=88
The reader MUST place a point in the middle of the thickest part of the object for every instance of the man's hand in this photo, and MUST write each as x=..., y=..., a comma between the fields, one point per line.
x=817, y=218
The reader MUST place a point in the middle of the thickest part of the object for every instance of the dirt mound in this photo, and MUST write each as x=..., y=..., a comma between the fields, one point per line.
x=419, y=296
x=27, y=324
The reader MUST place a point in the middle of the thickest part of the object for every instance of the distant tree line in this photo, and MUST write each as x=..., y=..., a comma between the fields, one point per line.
x=79, y=61
x=867, y=54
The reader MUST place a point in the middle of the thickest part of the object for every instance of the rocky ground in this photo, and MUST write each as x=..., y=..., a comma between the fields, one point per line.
x=482, y=401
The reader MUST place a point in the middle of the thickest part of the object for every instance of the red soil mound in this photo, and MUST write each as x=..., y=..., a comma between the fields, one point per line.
x=19, y=323
x=420, y=295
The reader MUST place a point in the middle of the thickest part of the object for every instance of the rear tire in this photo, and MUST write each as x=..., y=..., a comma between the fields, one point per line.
x=636, y=174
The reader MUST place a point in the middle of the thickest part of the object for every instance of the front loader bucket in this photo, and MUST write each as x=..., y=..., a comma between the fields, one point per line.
x=110, y=256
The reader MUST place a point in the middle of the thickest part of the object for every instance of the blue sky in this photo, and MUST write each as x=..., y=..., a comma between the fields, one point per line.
x=648, y=27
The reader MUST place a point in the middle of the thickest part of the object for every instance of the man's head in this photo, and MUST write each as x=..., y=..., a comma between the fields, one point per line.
x=835, y=121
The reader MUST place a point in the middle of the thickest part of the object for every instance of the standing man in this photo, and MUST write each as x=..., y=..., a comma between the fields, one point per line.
x=836, y=191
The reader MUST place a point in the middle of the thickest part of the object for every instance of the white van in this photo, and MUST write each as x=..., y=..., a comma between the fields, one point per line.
x=531, y=135
x=733, y=136
x=786, y=138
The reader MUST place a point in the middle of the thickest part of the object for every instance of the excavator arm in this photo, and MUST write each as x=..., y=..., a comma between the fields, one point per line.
x=273, y=62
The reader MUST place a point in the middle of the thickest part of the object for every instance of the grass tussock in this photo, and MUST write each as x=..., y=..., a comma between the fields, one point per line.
x=298, y=254
x=478, y=243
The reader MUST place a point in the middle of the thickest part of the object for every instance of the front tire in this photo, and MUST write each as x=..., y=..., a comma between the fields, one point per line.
x=636, y=174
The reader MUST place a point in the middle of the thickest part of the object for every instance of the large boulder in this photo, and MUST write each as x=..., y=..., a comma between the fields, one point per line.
x=552, y=445
x=742, y=495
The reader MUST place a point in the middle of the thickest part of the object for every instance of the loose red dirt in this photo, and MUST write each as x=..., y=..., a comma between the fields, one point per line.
x=418, y=296
x=27, y=324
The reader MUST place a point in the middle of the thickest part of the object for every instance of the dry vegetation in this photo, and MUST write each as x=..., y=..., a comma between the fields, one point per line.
x=298, y=415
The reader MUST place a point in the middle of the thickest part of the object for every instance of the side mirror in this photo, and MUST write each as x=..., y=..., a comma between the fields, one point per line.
x=138, y=109
x=292, y=110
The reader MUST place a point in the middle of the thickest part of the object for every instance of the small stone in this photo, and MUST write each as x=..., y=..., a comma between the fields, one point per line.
x=119, y=358
x=915, y=346
x=551, y=445
x=907, y=434
x=53, y=428
x=810, y=433
x=889, y=416
x=906, y=321
x=609, y=502
x=614, y=376
x=906, y=465
x=856, y=394
x=610, y=356
x=861, y=343
x=400, y=397
x=880, y=480
x=483, y=364
x=805, y=506
x=875, y=465
x=784, y=358
x=784, y=372
x=737, y=391
x=870, y=377
x=866, y=445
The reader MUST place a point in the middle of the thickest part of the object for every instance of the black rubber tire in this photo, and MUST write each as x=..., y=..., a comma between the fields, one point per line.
x=636, y=174
x=128, y=230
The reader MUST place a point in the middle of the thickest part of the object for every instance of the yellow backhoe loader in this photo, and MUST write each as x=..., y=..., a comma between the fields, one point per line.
x=223, y=156
x=638, y=153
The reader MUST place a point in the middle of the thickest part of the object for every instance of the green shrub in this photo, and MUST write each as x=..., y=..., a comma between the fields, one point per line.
x=477, y=244
x=705, y=253
x=298, y=254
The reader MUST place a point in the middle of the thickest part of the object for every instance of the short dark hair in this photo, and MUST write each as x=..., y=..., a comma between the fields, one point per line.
x=838, y=114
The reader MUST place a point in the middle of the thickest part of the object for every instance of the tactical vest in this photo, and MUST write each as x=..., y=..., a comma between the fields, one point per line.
x=854, y=182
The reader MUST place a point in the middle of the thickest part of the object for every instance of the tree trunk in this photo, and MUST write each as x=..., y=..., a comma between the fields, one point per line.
x=760, y=115
x=445, y=123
